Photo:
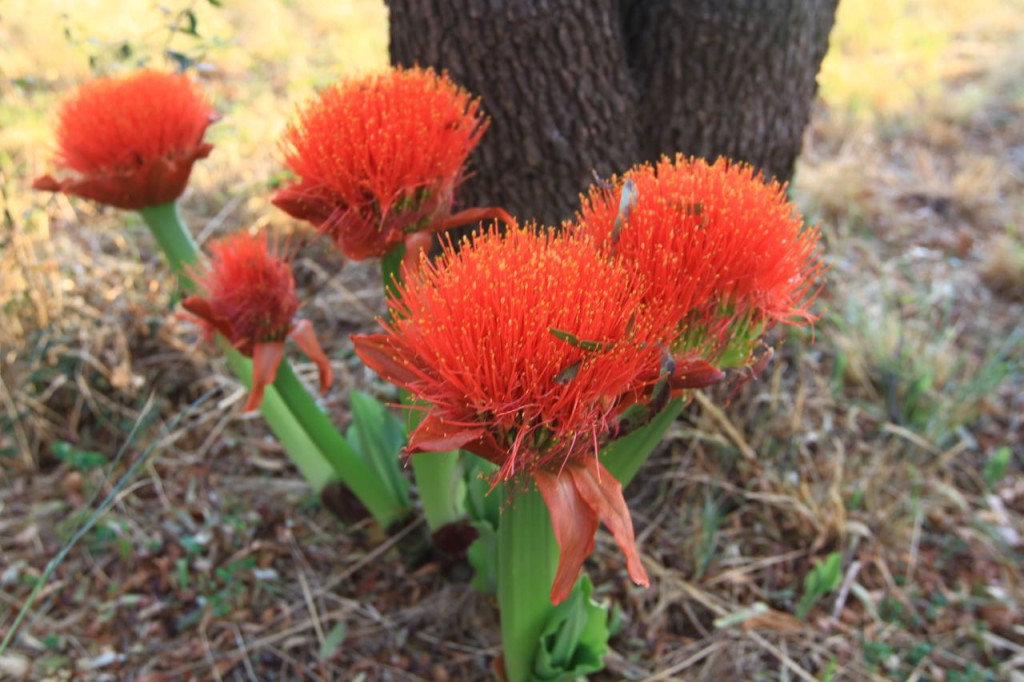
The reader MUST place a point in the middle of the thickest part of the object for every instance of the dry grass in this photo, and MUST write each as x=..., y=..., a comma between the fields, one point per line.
x=879, y=439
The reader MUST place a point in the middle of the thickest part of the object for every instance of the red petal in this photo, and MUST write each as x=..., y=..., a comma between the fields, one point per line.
x=603, y=494
x=301, y=201
x=473, y=215
x=436, y=435
x=488, y=447
x=415, y=244
x=266, y=358
x=46, y=183
x=380, y=356
x=202, y=309
x=305, y=338
x=158, y=180
x=101, y=189
x=694, y=373
x=575, y=524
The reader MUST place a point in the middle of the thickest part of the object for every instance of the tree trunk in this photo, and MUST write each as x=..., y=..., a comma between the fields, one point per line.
x=553, y=78
x=578, y=87
x=727, y=77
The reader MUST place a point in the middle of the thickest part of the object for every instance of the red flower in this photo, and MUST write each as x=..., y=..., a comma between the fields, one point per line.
x=379, y=158
x=250, y=299
x=720, y=247
x=529, y=348
x=131, y=141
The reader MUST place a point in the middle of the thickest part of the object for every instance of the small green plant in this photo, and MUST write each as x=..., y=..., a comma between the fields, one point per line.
x=995, y=467
x=81, y=460
x=822, y=579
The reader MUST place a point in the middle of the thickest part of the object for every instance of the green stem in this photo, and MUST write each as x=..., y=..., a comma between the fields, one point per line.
x=296, y=442
x=380, y=499
x=625, y=456
x=177, y=243
x=391, y=271
x=527, y=559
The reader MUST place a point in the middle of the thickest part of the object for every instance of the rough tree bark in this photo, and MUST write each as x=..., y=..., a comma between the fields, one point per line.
x=727, y=77
x=577, y=87
x=554, y=80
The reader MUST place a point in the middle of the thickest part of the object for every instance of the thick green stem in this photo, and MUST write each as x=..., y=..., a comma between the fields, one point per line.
x=527, y=560
x=175, y=241
x=625, y=456
x=296, y=442
x=379, y=498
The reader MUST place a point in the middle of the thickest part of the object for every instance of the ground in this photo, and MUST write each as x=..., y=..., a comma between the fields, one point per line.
x=881, y=452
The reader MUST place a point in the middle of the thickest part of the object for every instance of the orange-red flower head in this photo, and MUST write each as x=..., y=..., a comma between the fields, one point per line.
x=131, y=142
x=529, y=347
x=379, y=157
x=722, y=248
x=250, y=298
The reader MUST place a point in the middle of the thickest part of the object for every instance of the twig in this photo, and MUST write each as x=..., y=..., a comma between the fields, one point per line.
x=726, y=424
x=240, y=641
x=781, y=656
x=844, y=589
x=683, y=665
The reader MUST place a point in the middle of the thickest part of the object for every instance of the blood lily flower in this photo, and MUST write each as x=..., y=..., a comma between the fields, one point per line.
x=721, y=247
x=131, y=142
x=378, y=159
x=250, y=298
x=529, y=348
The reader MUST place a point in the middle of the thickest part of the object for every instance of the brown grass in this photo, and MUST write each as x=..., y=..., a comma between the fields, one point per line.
x=874, y=438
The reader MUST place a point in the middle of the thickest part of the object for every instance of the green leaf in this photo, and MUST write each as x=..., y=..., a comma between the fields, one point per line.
x=483, y=557
x=483, y=506
x=183, y=61
x=830, y=670
x=442, y=487
x=633, y=417
x=995, y=467
x=624, y=456
x=82, y=460
x=575, y=640
x=822, y=579
x=191, y=23
x=379, y=437
x=333, y=640
x=482, y=503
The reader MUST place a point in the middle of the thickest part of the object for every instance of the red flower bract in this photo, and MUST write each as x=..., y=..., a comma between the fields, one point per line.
x=724, y=250
x=379, y=157
x=131, y=141
x=250, y=299
x=529, y=347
